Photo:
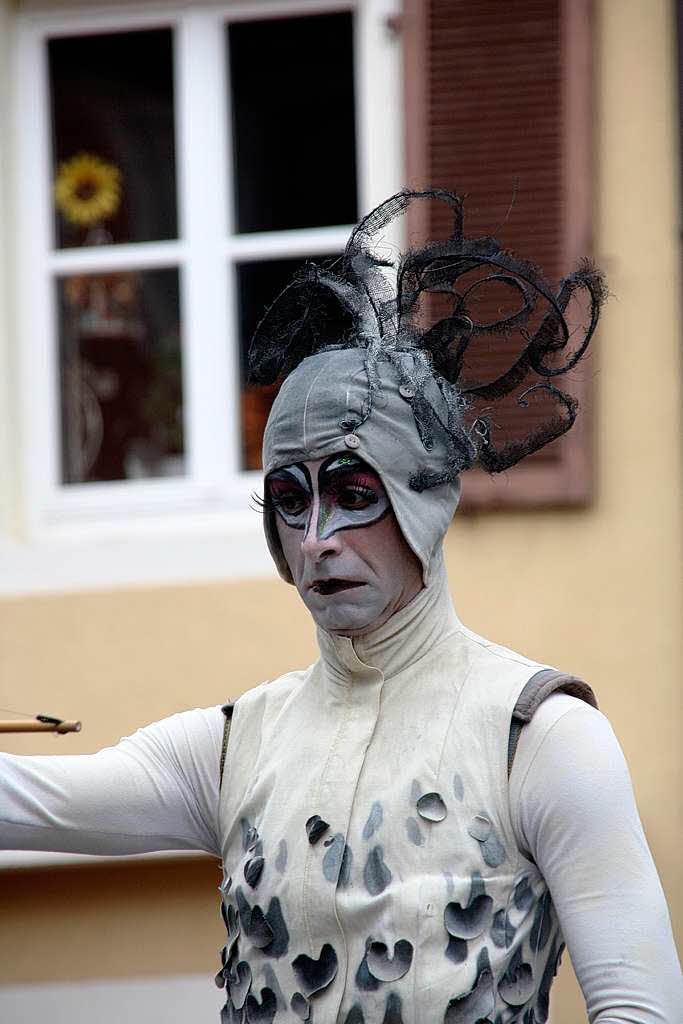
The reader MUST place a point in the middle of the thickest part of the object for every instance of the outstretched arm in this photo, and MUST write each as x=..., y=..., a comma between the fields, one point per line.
x=154, y=790
x=578, y=818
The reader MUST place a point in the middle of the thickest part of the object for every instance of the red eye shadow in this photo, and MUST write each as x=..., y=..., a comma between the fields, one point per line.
x=277, y=487
x=359, y=478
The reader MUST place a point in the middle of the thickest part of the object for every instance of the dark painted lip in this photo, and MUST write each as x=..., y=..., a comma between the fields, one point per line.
x=334, y=585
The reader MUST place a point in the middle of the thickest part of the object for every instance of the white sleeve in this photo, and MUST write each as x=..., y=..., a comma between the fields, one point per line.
x=155, y=790
x=574, y=811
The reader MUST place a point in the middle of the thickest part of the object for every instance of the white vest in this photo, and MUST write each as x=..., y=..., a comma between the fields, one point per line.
x=371, y=872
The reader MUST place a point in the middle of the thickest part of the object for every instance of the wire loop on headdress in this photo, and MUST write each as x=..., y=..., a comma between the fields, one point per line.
x=351, y=304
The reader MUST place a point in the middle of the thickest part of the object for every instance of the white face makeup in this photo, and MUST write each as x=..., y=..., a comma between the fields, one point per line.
x=346, y=553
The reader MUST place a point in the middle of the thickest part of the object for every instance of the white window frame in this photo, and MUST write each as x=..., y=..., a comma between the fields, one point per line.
x=200, y=526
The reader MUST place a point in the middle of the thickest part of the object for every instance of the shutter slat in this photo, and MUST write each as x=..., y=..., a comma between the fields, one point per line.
x=494, y=97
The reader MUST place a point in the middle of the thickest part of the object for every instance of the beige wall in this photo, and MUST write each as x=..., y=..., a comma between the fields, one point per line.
x=8, y=420
x=597, y=592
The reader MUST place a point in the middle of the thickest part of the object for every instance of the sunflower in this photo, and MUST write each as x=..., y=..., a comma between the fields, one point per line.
x=87, y=189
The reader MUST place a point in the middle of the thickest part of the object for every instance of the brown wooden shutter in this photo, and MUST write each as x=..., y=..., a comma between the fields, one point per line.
x=498, y=106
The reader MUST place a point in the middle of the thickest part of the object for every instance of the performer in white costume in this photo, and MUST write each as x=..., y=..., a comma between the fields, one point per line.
x=412, y=827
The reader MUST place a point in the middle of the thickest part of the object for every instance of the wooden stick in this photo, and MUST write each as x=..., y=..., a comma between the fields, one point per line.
x=34, y=725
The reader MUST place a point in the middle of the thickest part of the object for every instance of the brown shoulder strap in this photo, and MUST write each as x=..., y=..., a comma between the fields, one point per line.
x=227, y=710
x=537, y=689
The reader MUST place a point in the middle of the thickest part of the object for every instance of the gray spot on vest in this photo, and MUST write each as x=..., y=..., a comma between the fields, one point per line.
x=458, y=787
x=478, y=887
x=493, y=851
x=244, y=908
x=364, y=980
x=431, y=807
x=523, y=895
x=415, y=791
x=517, y=984
x=231, y=923
x=263, y=1012
x=301, y=1006
x=220, y=976
x=552, y=964
x=414, y=833
x=252, y=871
x=257, y=928
x=502, y=931
x=315, y=828
x=260, y=933
x=483, y=961
x=477, y=1004
x=470, y=921
x=247, y=832
x=315, y=975
x=355, y=1015
x=252, y=841
x=271, y=981
x=280, y=944
x=337, y=861
x=281, y=857
x=542, y=926
x=229, y=1015
x=480, y=828
x=456, y=950
x=389, y=969
x=374, y=820
x=392, y=1013
x=450, y=886
x=239, y=983
x=376, y=874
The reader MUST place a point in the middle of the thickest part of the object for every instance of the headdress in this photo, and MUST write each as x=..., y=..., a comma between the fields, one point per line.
x=382, y=356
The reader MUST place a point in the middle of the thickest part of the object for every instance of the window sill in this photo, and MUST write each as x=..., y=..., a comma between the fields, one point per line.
x=193, y=547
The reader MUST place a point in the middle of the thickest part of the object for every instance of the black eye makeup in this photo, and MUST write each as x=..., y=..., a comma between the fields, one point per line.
x=289, y=492
x=351, y=495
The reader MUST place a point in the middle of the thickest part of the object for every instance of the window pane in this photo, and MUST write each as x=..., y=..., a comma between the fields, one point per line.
x=294, y=135
x=120, y=368
x=113, y=137
x=257, y=285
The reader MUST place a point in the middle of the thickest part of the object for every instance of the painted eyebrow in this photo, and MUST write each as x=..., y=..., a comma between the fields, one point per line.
x=346, y=464
x=296, y=473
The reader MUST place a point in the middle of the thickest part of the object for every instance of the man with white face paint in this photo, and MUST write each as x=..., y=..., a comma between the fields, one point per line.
x=446, y=823
x=412, y=827
x=351, y=582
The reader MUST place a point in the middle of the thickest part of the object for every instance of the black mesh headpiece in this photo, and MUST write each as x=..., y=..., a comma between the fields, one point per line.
x=350, y=304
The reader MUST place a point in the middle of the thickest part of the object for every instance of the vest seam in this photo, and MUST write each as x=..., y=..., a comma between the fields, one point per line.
x=309, y=852
x=495, y=650
x=447, y=736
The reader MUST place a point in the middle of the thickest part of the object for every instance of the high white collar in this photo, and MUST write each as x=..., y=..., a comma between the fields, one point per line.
x=404, y=639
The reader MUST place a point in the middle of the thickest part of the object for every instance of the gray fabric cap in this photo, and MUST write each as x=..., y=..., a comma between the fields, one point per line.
x=319, y=411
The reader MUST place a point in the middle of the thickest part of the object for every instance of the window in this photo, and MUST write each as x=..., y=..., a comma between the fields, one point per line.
x=295, y=78
x=172, y=169
x=120, y=404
